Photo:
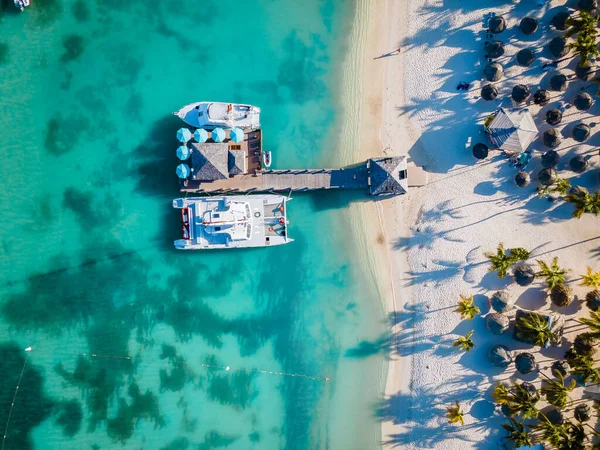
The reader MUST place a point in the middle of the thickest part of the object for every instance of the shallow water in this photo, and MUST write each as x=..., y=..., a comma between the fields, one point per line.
x=87, y=262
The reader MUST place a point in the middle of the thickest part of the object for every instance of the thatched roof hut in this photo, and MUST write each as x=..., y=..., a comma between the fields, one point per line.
x=585, y=71
x=541, y=97
x=522, y=179
x=583, y=101
x=561, y=367
x=584, y=345
x=480, y=151
x=558, y=47
x=497, y=323
x=493, y=72
x=581, y=132
x=497, y=24
x=559, y=21
x=531, y=390
x=561, y=295
x=520, y=93
x=558, y=82
x=554, y=416
x=551, y=158
x=523, y=274
x=528, y=25
x=582, y=412
x=587, y=5
x=500, y=356
x=546, y=176
x=500, y=301
x=525, y=363
x=494, y=49
x=578, y=164
x=526, y=57
x=489, y=92
x=551, y=138
x=592, y=300
x=553, y=116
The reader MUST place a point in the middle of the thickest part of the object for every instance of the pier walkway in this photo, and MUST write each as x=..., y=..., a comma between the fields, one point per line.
x=286, y=180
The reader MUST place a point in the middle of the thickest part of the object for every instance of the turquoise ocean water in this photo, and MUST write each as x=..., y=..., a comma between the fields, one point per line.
x=87, y=264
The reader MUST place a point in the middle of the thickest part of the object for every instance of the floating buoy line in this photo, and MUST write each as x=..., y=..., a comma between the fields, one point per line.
x=12, y=405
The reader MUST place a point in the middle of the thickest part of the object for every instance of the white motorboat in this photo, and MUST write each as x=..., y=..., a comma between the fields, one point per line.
x=266, y=156
x=232, y=222
x=218, y=114
x=21, y=4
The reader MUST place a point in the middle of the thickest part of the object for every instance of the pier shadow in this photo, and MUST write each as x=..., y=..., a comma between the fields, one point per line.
x=331, y=199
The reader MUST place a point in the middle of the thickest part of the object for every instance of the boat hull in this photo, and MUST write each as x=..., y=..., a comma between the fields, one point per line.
x=211, y=115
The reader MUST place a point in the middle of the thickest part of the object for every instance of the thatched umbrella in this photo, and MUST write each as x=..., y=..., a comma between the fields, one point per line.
x=526, y=57
x=541, y=97
x=583, y=412
x=578, y=164
x=561, y=367
x=489, y=92
x=497, y=323
x=551, y=158
x=592, y=300
x=520, y=93
x=587, y=5
x=561, y=295
x=522, y=179
x=525, y=363
x=554, y=416
x=497, y=24
x=546, y=176
x=531, y=389
x=528, y=25
x=500, y=301
x=584, y=345
x=494, y=49
x=523, y=274
x=578, y=190
x=553, y=116
x=558, y=47
x=585, y=71
x=500, y=356
x=559, y=21
x=558, y=82
x=583, y=101
x=581, y=132
x=551, y=138
x=480, y=151
x=493, y=72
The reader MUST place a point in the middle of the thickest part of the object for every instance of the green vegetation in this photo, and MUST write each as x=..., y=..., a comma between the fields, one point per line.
x=465, y=342
x=553, y=274
x=455, y=414
x=534, y=328
x=585, y=203
x=556, y=392
x=501, y=260
x=466, y=308
x=517, y=433
x=590, y=279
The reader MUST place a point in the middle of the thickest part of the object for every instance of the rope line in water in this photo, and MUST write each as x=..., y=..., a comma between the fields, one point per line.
x=27, y=350
x=208, y=366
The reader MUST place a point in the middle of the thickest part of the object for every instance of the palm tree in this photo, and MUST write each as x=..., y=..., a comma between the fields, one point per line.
x=466, y=308
x=585, y=46
x=584, y=23
x=554, y=274
x=517, y=434
x=590, y=279
x=465, y=342
x=556, y=392
x=550, y=432
x=501, y=261
x=583, y=368
x=532, y=327
x=584, y=202
x=593, y=324
x=557, y=185
x=455, y=415
x=501, y=394
x=524, y=401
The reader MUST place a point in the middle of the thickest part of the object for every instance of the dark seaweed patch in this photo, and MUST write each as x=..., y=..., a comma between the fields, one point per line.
x=62, y=135
x=70, y=417
x=254, y=437
x=47, y=11
x=80, y=11
x=31, y=404
x=3, y=52
x=178, y=374
x=214, y=439
x=234, y=390
x=180, y=443
x=73, y=46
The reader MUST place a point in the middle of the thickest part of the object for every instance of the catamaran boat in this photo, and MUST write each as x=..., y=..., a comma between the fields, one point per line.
x=21, y=4
x=217, y=114
x=232, y=222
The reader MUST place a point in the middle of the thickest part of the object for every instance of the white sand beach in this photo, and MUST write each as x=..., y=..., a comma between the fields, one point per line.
x=433, y=239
